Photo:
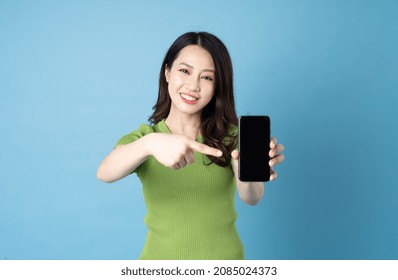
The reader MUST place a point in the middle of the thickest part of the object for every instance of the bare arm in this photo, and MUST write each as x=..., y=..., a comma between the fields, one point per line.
x=123, y=160
x=249, y=192
x=171, y=150
x=252, y=192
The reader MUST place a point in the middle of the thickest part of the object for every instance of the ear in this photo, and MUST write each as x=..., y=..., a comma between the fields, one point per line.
x=167, y=73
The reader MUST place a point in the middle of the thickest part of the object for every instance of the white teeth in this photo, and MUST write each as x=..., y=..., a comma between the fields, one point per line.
x=187, y=97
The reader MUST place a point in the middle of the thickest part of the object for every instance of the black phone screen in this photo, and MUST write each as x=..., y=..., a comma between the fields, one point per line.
x=254, y=140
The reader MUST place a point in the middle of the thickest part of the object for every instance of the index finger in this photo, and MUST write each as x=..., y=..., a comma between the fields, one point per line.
x=272, y=144
x=204, y=149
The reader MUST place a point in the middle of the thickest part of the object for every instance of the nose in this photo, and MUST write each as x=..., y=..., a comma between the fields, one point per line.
x=193, y=84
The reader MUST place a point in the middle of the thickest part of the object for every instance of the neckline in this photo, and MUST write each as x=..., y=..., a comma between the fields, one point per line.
x=164, y=128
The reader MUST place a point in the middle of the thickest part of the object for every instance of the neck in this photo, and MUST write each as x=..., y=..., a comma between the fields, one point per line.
x=188, y=125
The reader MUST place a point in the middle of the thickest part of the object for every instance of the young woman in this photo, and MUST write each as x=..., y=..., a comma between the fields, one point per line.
x=187, y=159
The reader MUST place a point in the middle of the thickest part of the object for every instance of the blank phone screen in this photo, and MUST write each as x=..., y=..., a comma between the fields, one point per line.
x=254, y=140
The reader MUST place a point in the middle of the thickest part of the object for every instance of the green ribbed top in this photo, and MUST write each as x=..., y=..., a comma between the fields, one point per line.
x=190, y=211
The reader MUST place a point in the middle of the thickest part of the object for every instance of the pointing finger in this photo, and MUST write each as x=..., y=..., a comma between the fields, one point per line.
x=204, y=149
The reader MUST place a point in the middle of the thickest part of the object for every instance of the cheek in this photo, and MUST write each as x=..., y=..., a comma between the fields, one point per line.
x=176, y=80
x=209, y=89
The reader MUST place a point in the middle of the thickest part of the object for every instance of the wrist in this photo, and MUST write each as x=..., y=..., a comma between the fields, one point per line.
x=147, y=143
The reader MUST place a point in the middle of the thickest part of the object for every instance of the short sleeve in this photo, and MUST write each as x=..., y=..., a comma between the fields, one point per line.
x=143, y=130
x=137, y=134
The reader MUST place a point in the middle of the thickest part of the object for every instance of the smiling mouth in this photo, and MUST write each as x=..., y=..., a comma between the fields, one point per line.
x=188, y=97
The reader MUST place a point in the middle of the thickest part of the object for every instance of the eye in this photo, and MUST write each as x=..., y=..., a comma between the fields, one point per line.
x=184, y=71
x=207, y=78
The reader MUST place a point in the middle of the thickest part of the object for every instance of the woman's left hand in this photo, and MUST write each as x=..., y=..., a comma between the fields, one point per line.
x=276, y=156
x=251, y=192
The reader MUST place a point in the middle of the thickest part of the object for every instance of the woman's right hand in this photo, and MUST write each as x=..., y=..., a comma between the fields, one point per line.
x=176, y=151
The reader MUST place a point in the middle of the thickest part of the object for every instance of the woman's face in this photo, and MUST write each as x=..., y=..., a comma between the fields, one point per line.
x=191, y=80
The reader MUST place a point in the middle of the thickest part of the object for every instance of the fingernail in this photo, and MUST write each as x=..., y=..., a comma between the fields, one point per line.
x=219, y=153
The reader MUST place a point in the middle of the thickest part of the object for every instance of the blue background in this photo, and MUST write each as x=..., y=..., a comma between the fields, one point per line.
x=77, y=75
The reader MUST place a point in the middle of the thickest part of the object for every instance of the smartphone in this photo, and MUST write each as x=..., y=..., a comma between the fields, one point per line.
x=254, y=139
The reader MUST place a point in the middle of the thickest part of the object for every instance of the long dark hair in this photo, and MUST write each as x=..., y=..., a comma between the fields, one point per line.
x=219, y=116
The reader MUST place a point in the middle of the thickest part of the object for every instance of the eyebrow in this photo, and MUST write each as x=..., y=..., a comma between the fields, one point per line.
x=190, y=66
